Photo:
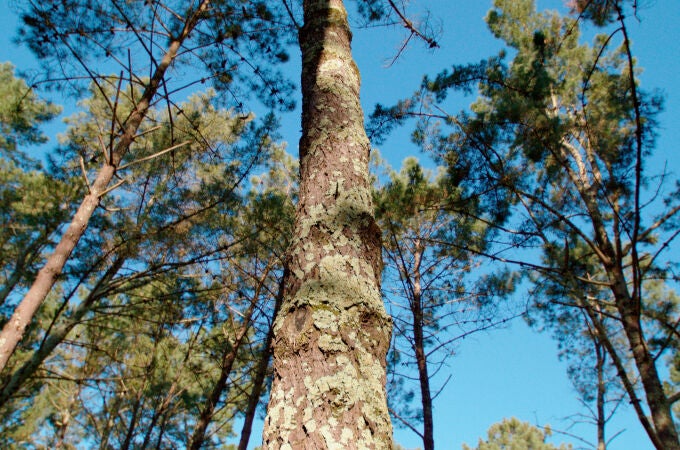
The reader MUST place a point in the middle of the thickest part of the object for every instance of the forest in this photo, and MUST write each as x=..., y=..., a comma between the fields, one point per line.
x=178, y=271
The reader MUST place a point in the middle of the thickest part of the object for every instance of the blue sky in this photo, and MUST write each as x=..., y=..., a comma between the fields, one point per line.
x=513, y=371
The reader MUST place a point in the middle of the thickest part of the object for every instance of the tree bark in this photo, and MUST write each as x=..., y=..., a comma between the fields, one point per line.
x=332, y=333
x=132, y=426
x=15, y=328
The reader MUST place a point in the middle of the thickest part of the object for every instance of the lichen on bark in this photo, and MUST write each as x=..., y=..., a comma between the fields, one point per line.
x=332, y=333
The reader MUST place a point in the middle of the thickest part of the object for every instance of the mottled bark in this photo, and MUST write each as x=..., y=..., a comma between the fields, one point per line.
x=16, y=326
x=332, y=333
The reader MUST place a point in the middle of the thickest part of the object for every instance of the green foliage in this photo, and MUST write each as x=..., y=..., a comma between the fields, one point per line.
x=513, y=434
x=33, y=203
x=372, y=10
x=21, y=114
x=32, y=206
x=149, y=305
x=552, y=156
x=236, y=47
x=601, y=12
x=431, y=301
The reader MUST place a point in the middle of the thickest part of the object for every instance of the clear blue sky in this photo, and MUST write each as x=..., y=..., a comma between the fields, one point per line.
x=513, y=371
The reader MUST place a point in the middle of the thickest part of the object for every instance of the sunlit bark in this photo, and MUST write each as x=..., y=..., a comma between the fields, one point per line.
x=332, y=333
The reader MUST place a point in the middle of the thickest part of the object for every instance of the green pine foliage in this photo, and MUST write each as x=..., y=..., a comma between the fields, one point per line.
x=126, y=349
x=553, y=154
x=513, y=434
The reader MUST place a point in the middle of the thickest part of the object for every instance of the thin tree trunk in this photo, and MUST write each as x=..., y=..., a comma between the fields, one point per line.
x=160, y=411
x=601, y=392
x=208, y=411
x=657, y=401
x=603, y=337
x=15, y=328
x=161, y=432
x=227, y=363
x=332, y=333
x=419, y=347
x=260, y=374
x=139, y=401
x=110, y=422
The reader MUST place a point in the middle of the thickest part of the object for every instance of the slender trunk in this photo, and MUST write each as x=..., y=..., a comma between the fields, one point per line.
x=600, y=356
x=139, y=401
x=15, y=328
x=159, y=412
x=260, y=374
x=419, y=347
x=208, y=411
x=162, y=410
x=657, y=401
x=603, y=338
x=227, y=363
x=154, y=419
x=161, y=432
x=332, y=333
x=110, y=421
x=19, y=377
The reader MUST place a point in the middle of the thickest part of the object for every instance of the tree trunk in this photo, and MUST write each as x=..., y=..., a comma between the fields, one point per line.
x=132, y=426
x=15, y=328
x=159, y=412
x=657, y=401
x=227, y=363
x=332, y=333
x=161, y=432
x=600, y=356
x=419, y=347
x=260, y=374
x=111, y=412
